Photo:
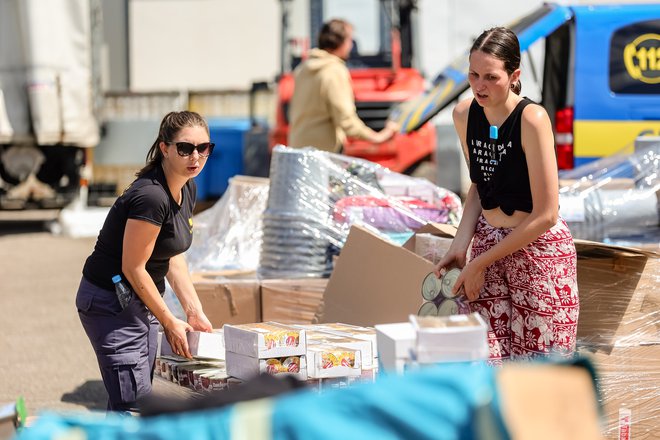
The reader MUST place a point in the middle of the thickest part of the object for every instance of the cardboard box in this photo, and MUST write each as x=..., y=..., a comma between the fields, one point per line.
x=265, y=340
x=619, y=326
x=296, y=301
x=200, y=344
x=365, y=347
x=545, y=401
x=619, y=295
x=324, y=360
x=228, y=301
x=375, y=281
x=396, y=343
x=459, y=338
x=209, y=379
x=350, y=331
x=246, y=367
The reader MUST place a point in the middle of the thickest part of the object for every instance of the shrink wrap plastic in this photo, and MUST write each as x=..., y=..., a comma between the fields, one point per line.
x=615, y=199
x=293, y=224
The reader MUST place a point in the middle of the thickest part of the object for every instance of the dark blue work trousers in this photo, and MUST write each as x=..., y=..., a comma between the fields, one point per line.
x=124, y=342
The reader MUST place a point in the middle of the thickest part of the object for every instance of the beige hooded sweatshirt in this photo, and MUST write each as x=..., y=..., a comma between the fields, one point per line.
x=322, y=110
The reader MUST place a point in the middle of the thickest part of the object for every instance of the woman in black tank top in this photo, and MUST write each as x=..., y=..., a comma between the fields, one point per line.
x=521, y=274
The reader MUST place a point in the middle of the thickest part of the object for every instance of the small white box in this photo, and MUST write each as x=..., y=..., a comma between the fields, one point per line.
x=325, y=360
x=200, y=344
x=395, y=345
x=246, y=367
x=455, y=338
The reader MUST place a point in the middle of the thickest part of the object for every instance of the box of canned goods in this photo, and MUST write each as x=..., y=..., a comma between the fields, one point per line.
x=246, y=367
x=265, y=340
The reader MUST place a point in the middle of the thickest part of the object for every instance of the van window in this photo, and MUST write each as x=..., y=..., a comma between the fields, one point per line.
x=635, y=59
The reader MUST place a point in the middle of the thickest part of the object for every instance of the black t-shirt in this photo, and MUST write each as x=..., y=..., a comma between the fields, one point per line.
x=499, y=166
x=148, y=198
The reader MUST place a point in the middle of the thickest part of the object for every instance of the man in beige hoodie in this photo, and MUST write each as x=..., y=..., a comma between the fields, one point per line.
x=322, y=110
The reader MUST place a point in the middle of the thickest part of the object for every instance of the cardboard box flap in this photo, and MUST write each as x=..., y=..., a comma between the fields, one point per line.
x=374, y=281
x=439, y=229
x=587, y=248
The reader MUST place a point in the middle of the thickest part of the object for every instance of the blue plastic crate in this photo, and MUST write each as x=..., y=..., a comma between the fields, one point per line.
x=227, y=158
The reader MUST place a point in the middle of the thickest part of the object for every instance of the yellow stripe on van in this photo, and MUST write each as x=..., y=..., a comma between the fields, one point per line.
x=603, y=138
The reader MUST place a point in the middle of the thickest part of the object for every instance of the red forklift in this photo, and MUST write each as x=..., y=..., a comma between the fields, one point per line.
x=383, y=71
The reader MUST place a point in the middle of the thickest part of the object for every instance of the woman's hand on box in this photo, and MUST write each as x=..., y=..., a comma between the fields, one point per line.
x=175, y=332
x=200, y=322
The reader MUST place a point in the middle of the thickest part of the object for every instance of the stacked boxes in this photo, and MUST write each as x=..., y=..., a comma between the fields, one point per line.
x=432, y=339
x=356, y=332
x=457, y=338
x=270, y=347
x=326, y=356
x=294, y=301
x=196, y=375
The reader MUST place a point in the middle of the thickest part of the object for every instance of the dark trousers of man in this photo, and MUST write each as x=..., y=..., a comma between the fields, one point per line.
x=124, y=341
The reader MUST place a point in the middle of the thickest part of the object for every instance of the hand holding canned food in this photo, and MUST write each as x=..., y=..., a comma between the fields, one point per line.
x=471, y=280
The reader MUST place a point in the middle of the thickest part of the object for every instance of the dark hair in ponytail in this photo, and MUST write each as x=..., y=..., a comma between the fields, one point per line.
x=170, y=126
x=501, y=43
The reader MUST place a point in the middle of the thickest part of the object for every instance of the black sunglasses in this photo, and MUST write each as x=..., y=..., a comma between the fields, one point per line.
x=185, y=149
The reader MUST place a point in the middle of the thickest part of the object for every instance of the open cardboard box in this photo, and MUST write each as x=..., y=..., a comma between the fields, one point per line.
x=375, y=281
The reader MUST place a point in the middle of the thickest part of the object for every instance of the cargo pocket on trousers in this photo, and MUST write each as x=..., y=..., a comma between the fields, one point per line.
x=83, y=302
x=127, y=378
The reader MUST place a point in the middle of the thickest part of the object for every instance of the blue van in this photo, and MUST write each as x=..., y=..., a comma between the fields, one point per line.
x=600, y=80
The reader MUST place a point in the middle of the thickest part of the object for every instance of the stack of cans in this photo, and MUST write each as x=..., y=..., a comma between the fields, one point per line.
x=439, y=300
x=296, y=223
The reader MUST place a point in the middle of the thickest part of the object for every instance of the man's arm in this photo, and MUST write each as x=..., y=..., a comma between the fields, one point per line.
x=341, y=104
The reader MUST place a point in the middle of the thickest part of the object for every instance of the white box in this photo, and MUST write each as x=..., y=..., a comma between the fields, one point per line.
x=456, y=338
x=265, y=340
x=200, y=344
x=246, y=367
x=325, y=360
x=353, y=331
x=315, y=337
x=395, y=345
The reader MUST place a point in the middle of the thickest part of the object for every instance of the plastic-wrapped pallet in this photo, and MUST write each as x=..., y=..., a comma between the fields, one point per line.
x=619, y=326
x=316, y=196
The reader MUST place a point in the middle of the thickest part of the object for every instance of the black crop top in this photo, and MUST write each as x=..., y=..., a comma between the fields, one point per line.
x=498, y=166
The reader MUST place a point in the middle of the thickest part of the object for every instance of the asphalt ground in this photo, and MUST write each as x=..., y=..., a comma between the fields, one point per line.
x=46, y=356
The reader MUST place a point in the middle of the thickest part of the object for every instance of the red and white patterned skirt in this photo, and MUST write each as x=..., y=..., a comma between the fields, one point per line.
x=530, y=298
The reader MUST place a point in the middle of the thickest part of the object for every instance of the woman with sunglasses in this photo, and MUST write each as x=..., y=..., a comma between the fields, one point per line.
x=143, y=239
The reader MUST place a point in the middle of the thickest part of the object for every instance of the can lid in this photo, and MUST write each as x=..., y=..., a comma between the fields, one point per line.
x=448, y=282
x=448, y=307
x=431, y=287
x=116, y=279
x=428, y=309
